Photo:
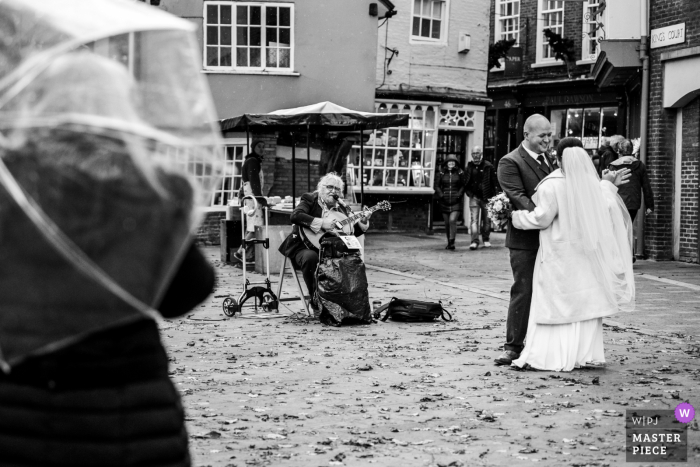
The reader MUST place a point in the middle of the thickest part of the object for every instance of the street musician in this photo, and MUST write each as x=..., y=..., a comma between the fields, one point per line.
x=317, y=213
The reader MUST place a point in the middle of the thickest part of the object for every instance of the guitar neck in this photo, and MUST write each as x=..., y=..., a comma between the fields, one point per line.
x=356, y=216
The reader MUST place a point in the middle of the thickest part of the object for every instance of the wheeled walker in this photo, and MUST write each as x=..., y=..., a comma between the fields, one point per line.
x=261, y=292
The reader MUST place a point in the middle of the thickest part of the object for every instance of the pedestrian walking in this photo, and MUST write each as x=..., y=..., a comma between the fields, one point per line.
x=584, y=264
x=607, y=153
x=631, y=193
x=449, y=190
x=96, y=221
x=481, y=185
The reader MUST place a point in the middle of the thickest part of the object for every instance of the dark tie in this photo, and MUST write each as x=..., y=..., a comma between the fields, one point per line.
x=543, y=164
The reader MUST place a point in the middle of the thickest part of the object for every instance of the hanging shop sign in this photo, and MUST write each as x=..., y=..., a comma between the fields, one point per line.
x=514, y=62
x=669, y=35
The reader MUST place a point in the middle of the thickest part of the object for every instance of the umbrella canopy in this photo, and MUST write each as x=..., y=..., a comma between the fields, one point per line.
x=322, y=116
x=107, y=143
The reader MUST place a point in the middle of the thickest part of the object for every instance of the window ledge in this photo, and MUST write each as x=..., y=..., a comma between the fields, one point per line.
x=546, y=64
x=588, y=61
x=438, y=42
x=251, y=72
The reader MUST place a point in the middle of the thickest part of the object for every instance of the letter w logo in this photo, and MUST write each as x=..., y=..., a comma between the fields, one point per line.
x=685, y=413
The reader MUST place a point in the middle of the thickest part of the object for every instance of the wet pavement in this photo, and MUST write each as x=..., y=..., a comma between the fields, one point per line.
x=281, y=389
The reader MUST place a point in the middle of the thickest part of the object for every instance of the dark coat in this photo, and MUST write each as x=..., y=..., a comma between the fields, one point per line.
x=631, y=192
x=449, y=189
x=607, y=156
x=303, y=215
x=519, y=174
x=250, y=172
x=106, y=400
x=489, y=181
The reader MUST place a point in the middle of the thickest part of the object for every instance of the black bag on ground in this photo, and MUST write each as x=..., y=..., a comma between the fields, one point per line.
x=412, y=311
x=341, y=290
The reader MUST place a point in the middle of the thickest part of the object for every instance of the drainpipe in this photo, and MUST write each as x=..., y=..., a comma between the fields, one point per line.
x=644, y=124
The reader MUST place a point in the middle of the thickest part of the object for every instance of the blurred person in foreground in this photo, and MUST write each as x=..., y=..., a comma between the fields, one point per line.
x=97, y=219
x=449, y=191
x=583, y=270
x=481, y=185
x=638, y=185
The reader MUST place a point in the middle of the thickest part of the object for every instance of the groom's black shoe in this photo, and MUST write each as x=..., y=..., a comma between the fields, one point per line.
x=507, y=357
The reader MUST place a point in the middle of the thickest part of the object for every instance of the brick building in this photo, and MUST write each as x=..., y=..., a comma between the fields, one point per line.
x=670, y=150
x=674, y=129
x=532, y=80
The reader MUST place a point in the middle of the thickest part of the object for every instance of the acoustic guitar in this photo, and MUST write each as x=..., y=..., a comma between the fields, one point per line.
x=342, y=225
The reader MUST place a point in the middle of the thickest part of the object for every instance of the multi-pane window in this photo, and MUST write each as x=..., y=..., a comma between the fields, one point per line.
x=248, y=35
x=231, y=177
x=592, y=30
x=508, y=20
x=401, y=158
x=589, y=124
x=552, y=17
x=428, y=19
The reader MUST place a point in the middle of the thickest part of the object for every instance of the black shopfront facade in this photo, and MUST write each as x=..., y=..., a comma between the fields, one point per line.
x=575, y=107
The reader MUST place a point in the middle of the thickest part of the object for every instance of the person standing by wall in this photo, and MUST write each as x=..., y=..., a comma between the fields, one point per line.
x=252, y=179
x=481, y=185
x=449, y=189
x=631, y=193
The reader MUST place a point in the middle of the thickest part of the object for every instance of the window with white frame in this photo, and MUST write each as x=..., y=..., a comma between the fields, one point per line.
x=551, y=16
x=507, y=21
x=400, y=158
x=248, y=36
x=592, y=29
x=429, y=20
x=231, y=177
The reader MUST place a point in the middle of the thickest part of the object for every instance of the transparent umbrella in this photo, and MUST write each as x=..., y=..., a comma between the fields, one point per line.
x=106, y=148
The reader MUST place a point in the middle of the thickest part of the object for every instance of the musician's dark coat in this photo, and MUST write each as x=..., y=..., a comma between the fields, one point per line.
x=305, y=212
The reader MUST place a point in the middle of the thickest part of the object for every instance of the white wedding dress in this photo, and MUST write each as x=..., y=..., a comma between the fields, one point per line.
x=583, y=270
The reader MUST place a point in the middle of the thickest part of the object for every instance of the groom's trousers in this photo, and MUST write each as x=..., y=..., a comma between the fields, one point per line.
x=522, y=262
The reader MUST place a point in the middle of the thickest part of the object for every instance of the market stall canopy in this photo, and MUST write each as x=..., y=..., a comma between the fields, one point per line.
x=322, y=116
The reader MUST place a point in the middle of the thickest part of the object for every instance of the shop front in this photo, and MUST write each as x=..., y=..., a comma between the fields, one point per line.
x=400, y=163
x=575, y=108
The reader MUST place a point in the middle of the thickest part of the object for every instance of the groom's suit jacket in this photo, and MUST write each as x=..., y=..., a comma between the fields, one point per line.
x=519, y=174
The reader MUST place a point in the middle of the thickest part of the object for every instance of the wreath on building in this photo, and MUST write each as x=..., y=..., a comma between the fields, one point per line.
x=564, y=49
x=499, y=50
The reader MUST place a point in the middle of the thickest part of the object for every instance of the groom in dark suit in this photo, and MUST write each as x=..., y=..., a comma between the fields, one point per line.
x=519, y=173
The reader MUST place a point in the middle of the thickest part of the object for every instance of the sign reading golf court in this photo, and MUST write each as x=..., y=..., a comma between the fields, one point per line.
x=669, y=35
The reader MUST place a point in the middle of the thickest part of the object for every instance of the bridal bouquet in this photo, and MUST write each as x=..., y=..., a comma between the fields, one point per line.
x=499, y=209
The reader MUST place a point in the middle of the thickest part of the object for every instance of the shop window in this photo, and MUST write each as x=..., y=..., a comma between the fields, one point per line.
x=589, y=124
x=551, y=16
x=507, y=21
x=248, y=36
x=399, y=159
x=593, y=32
x=429, y=20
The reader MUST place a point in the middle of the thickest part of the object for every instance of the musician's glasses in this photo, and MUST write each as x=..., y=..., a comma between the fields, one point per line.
x=332, y=188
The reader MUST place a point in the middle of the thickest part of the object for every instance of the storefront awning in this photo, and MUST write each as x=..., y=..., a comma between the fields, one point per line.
x=681, y=84
x=617, y=62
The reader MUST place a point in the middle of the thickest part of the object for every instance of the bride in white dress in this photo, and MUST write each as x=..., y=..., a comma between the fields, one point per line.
x=584, y=265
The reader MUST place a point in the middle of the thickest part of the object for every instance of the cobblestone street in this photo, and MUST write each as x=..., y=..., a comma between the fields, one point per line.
x=277, y=389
